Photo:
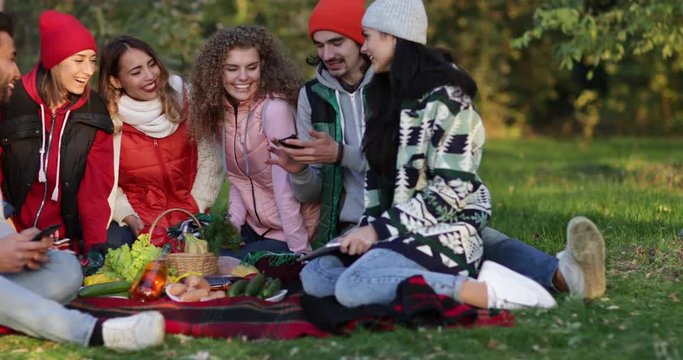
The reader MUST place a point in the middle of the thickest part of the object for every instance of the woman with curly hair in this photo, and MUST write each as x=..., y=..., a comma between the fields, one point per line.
x=243, y=89
x=159, y=167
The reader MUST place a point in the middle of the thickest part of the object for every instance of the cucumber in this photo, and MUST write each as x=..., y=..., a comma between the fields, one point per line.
x=237, y=288
x=105, y=289
x=255, y=285
x=273, y=286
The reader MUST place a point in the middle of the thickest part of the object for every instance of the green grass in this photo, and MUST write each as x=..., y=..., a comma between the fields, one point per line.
x=631, y=188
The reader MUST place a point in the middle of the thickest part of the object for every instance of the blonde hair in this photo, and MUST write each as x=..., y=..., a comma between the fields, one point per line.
x=50, y=90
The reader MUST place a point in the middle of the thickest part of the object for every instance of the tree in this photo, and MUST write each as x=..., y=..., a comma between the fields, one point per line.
x=624, y=55
x=609, y=30
x=635, y=42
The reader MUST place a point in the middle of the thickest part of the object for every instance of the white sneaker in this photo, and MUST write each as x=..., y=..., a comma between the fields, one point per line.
x=582, y=262
x=510, y=290
x=134, y=332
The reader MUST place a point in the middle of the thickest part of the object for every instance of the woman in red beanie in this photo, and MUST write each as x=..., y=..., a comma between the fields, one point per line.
x=56, y=137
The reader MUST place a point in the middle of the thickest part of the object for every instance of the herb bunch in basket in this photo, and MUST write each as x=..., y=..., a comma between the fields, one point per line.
x=220, y=232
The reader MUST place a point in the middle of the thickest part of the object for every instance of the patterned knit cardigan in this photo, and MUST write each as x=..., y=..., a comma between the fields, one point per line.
x=439, y=202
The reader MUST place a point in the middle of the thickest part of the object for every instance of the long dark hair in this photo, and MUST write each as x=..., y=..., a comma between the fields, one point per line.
x=415, y=69
x=110, y=66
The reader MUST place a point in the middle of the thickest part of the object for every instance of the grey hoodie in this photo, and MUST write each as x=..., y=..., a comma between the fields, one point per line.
x=307, y=184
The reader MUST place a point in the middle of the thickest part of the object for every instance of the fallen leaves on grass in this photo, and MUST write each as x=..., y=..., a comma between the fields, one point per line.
x=492, y=344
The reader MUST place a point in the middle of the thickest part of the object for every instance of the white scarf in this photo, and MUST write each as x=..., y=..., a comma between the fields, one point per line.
x=146, y=116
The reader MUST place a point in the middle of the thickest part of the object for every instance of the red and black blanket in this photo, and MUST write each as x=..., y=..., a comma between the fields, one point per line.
x=300, y=315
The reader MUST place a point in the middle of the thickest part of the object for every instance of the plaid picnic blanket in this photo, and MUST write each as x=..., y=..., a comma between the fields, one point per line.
x=416, y=305
x=248, y=317
x=222, y=318
x=300, y=315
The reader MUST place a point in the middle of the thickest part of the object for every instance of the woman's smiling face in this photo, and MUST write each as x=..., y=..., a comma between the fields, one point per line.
x=380, y=48
x=138, y=75
x=242, y=73
x=74, y=72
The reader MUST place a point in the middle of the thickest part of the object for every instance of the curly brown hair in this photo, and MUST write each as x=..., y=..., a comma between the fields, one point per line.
x=279, y=75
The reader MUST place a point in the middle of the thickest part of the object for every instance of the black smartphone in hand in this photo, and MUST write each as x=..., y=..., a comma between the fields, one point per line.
x=45, y=232
x=7, y=209
x=284, y=143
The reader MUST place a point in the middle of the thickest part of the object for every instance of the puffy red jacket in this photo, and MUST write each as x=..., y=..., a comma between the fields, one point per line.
x=158, y=174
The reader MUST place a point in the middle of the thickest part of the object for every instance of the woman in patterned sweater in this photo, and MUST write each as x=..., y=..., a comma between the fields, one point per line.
x=424, y=202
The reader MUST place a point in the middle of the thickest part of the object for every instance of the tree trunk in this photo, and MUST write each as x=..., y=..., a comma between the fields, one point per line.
x=666, y=110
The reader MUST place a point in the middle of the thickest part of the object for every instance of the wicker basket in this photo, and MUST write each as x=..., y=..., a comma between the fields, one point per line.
x=206, y=264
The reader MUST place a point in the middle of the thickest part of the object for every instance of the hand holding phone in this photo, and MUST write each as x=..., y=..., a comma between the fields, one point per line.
x=46, y=232
x=285, y=144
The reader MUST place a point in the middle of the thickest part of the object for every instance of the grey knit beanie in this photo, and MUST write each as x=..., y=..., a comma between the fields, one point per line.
x=405, y=19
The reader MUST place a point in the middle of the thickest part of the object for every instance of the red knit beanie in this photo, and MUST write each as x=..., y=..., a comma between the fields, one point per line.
x=62, y=35
x=341, y=16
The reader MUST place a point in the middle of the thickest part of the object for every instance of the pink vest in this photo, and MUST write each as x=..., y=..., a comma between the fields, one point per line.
x=246, y=154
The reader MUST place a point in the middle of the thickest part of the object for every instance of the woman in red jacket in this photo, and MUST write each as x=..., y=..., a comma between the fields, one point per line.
x=56, y=137
x=159, y=167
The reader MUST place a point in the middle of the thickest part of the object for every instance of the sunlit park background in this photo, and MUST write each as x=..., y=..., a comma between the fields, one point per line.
x=583, y=106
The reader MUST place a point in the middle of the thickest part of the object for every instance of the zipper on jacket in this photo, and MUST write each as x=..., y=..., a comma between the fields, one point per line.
x=234, y=151
x=165, y=173
x=47, y=157
x=355, y=116
x=253, y=198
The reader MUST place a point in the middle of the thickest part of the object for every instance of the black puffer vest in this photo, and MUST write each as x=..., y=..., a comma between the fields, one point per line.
x=21, y=137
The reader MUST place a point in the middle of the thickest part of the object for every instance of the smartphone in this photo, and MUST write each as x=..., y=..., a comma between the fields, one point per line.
x=7, y=209
x=283, y=143
x=45, y=232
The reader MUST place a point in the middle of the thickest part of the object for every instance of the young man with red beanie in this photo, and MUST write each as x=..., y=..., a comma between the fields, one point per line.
x=319, y=172
x=31, y=300
x=59, y=133
x=329, y=166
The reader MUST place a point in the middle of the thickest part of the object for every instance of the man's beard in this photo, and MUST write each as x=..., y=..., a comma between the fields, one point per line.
x=5, y=94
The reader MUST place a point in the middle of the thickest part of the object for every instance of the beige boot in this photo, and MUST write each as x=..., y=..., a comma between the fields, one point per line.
x=582, y=262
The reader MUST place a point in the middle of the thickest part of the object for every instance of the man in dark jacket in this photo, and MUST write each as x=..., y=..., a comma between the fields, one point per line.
x=31, y=300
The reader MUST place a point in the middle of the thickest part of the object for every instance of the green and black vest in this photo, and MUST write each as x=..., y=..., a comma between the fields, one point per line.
x=326, y=117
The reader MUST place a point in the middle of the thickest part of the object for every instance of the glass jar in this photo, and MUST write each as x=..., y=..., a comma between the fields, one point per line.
x=150, y=285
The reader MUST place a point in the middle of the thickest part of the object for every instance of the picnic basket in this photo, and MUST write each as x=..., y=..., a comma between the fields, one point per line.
x=206, y=264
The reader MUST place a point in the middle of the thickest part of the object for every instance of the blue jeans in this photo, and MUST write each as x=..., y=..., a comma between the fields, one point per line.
x=118, y=235
x=319, y=277
x=372, y=279
x=520, y=257
x=255, y=242
x=31, y=301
